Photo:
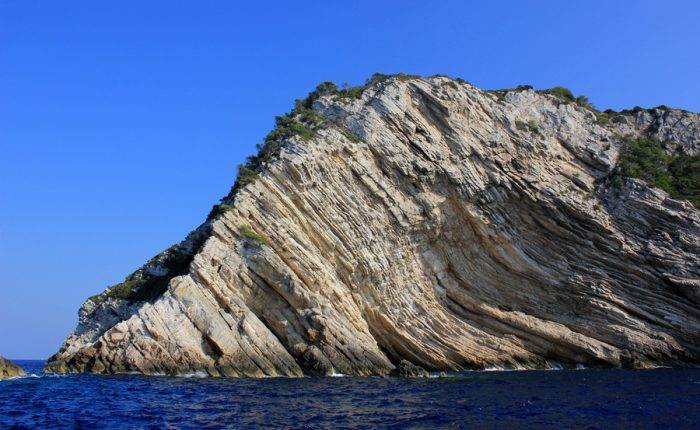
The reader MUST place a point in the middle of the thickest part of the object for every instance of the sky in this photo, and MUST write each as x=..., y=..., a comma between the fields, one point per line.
x=122, y=122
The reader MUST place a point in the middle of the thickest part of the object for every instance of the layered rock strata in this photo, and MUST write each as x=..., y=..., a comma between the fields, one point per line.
x=432, y=222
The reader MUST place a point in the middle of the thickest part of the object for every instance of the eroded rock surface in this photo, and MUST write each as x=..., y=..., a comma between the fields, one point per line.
x=9, y=369
x=425, y=223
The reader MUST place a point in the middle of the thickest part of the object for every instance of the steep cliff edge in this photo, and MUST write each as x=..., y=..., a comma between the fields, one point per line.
x=425, y=220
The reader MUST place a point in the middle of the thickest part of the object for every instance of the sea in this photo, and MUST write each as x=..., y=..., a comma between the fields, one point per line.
x=555, y=399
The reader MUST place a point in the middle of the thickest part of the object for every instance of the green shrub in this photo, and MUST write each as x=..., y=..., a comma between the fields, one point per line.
x=530, y=126
x=143, y=286
x=562, y=93
x=217, y=210
x=501, y=93
x=685, y=171
x=248, y=232
x=644, y=158
x=376, y=78
x=302, y=121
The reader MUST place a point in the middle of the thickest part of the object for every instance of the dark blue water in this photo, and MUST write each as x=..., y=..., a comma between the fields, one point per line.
x=580, y=399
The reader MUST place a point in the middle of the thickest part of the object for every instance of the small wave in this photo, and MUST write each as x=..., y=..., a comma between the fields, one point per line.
x=502, y=369
x=197, y=374
x=27, y=376
x=581, y=367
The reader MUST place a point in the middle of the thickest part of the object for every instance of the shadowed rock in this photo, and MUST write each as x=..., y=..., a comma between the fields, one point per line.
x=406, y=369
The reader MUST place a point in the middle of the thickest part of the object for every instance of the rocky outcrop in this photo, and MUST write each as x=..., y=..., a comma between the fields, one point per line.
x=428, y=221
x=9, y=369
x=406, y=369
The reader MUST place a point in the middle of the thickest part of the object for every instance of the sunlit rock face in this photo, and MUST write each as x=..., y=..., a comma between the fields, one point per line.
x=432, y=222
x=9, y=369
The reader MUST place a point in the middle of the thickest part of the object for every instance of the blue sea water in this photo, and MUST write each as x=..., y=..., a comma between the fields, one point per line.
x=578, y=399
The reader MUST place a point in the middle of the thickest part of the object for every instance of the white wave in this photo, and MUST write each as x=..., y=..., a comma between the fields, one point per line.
x=27, y=376
x=555, y=366
x=197, y=374
x=502, y=369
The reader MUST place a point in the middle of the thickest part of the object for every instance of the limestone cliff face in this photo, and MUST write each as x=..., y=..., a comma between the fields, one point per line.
x=423, y=222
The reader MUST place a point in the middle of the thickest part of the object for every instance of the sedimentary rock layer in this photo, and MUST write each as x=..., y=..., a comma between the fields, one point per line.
x=432, y=222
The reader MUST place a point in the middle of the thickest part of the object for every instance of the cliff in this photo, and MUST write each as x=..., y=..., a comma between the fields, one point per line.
x=9, y=369
x=427, y=221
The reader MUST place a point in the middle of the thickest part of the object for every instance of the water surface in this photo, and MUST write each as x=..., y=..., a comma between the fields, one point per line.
x=578, y=399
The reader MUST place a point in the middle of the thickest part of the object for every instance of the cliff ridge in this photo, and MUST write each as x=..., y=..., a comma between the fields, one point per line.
x=427, y=222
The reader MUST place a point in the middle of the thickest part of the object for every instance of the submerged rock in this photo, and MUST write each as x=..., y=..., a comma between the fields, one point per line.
x=9, y=369
x=426, y=220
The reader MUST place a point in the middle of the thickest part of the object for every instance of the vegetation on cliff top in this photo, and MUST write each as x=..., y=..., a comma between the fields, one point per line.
x=303, y=122
x=645, y=158
x=642, y=158
x=565, y=95
x=143, y=285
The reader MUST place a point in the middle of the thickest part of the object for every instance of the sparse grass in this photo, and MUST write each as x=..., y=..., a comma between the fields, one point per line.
x=356, y=92
x=302, y=122
x=143, y=286
x=530, y=126
x=248, y=232
x=450, y=84
x=501, y=94
x=352, y=137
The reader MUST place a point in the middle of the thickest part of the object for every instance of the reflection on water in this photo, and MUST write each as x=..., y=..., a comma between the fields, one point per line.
x=660, y=398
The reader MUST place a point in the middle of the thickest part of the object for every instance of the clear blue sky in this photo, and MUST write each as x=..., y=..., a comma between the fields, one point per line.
x=122, y=122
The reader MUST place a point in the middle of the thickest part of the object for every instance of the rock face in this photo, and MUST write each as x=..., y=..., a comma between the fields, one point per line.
x=432, y=222
x=9, y=369
x=406, y=369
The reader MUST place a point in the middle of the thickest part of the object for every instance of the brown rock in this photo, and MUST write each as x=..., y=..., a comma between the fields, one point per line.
x=9, y=369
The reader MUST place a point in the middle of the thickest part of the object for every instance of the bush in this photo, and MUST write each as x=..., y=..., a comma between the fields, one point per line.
x=376, y=78
x=685, y=171
x=141, y=286
x=217, y=210
x=562, y=93
x=501, y=93
x=302, y=121
x=644, y=158
x=530, y=126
